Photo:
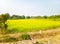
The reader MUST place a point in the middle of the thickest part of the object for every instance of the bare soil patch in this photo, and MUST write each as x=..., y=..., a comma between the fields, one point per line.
x=45, y=36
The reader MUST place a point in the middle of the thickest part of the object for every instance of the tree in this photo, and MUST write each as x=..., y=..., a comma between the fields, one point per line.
x=45, y=17
x=3, y=19
x=52, y=17
x=28, y=17
x=22, y=17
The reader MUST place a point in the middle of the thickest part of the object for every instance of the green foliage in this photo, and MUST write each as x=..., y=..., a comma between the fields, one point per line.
x=15, y=17
x=3, y=19
x=28, y=17
x=35, y=17
x=52, y=17
x=14, y=30
x=38, y=17
x=25, y=36
x=45, y=17
x=22, y=17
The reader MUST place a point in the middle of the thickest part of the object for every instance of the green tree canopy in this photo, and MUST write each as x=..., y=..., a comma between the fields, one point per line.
x=3, y=19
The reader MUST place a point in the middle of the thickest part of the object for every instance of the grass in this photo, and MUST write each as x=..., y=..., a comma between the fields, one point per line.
x=28, y=25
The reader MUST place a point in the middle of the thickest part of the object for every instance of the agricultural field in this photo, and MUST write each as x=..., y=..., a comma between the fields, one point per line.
x=50, y=31
x=28, y=25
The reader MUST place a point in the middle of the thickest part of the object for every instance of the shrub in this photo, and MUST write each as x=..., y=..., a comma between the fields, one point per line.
x=25, y=36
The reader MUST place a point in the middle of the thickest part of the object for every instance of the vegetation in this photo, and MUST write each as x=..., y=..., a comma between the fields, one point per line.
x=3, y=19
x=35, y=17
x=25, y=36
x=24, y=24
x=28, y=25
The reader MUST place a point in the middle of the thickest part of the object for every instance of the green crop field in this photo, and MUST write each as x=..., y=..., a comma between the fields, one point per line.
x=27, y=25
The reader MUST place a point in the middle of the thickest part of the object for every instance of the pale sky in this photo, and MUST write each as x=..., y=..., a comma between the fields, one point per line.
x=30, y=7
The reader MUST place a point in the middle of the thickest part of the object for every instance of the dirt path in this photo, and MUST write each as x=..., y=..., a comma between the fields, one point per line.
x=46, y=37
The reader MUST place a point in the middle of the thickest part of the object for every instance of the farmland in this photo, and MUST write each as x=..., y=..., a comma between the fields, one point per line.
x=28, y=25
x=30, y=28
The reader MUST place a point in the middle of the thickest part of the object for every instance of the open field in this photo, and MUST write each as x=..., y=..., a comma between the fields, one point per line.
x=28, y=25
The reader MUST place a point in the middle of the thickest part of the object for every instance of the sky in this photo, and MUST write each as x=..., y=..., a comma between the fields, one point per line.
x=30, y=7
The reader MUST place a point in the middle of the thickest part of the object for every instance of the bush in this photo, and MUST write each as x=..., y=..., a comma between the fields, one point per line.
x=25, y=36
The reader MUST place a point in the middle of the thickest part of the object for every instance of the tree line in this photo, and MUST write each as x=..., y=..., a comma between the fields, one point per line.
x=34, y=17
